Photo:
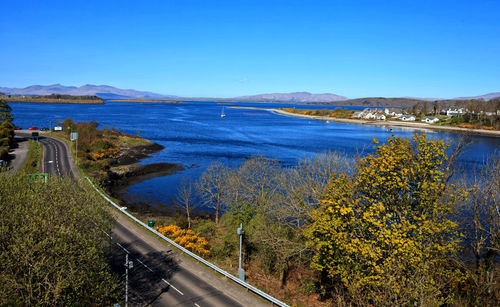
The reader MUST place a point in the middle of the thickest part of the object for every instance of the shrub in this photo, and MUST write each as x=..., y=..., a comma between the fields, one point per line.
x=186, y=238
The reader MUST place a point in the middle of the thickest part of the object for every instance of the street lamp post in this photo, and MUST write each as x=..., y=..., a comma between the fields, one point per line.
x=241, y=271
x=128, y=265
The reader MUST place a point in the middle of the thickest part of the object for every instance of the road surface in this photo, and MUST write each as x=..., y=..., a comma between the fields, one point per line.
x=160, y=277
x=19, y=151
x=57, y=159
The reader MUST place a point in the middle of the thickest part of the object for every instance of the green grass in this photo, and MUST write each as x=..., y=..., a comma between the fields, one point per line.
x=33, y=158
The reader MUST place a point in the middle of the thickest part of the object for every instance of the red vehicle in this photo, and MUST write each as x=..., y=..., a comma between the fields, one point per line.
x=33, y=128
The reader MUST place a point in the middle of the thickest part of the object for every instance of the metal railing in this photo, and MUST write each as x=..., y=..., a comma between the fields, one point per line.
x=196, y=257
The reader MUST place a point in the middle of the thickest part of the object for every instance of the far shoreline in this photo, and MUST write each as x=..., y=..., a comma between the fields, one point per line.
x=418, y=125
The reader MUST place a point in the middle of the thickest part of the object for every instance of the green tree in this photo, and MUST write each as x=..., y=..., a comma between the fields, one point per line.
x=385, y=232
x=53, y=246
x=5, y=111
x=6, y=129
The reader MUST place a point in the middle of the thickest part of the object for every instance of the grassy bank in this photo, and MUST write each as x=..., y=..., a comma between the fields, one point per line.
x=33, y=158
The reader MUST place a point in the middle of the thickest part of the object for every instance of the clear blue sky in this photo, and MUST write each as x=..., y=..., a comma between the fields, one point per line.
x=353, y=48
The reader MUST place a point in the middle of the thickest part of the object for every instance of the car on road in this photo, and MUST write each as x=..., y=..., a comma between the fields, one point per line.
x=33, y=128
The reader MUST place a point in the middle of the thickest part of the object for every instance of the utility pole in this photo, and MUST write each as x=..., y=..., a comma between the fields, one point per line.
x=241, y=271
x=128, y=265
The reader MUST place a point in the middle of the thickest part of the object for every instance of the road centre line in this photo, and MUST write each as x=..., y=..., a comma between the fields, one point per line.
x=123, y=248
x=172, y=286
x=144, y=265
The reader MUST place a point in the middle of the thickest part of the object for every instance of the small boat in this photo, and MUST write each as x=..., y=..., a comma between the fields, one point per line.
x=327, y=121
x=222, y=115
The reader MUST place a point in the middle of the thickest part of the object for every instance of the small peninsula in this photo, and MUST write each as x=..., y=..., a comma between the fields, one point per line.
x=54, y=98
x=145, y=100
x=111, y=156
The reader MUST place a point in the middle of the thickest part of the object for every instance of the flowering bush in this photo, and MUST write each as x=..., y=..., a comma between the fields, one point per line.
x=186, y=238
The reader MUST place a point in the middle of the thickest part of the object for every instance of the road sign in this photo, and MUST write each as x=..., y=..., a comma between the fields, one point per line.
x=38, y=178
x=73, y=136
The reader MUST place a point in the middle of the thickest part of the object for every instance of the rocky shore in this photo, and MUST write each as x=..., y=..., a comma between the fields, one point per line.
x=124, y=171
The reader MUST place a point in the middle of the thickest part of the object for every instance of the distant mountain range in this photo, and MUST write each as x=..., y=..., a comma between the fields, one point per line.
x=110, y=92
x=103, y=91
x=292, y=97
x=484, y=97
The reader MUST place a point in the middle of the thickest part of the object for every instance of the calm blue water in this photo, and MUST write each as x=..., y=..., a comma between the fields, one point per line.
x=194, y=135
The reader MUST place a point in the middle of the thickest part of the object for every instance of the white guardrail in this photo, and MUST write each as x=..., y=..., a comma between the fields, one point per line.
x=196, y=257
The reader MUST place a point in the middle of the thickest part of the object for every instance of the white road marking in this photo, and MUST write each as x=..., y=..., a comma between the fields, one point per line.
x=196, y=305
x=123, y=248
x=144, y=265
x=172, y=286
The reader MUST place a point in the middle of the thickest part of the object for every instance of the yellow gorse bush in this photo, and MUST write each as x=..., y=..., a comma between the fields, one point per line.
x=186, y=238
x=385, y=231
x=105, y=153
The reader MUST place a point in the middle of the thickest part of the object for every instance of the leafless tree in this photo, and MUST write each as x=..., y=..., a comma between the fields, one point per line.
x=482, y=229
x=185, y=198
x=211, y=186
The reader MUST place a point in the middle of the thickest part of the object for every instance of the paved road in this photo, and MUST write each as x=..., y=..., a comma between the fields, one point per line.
x=19, y=151
x=56, y=157
x=160, y=277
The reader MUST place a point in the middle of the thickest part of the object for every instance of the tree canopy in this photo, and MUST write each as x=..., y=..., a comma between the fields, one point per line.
x=6, y=129
x=53, y=248
x=386, y=230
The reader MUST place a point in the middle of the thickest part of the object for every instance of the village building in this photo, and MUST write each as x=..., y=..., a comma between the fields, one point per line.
x=370, y=113
x=454, y=112
x=408, y=118
x=430, y=120
x=394, y=112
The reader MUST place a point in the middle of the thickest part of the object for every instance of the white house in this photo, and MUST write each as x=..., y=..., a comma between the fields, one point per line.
x=430, y=120
x=370, y=114
x=455, y=112
x=394, y=112
x=408, y=118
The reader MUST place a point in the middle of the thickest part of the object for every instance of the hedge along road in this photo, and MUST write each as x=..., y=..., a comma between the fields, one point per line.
x=160, y=276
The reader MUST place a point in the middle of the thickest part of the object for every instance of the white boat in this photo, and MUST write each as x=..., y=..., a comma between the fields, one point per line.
x=222, y=115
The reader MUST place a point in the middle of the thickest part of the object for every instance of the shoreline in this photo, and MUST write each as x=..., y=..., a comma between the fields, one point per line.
x=62, y=101
x=417, y=125
x=125, y=172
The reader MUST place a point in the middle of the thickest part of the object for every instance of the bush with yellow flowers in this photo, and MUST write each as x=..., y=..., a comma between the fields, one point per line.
x=186, y=238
